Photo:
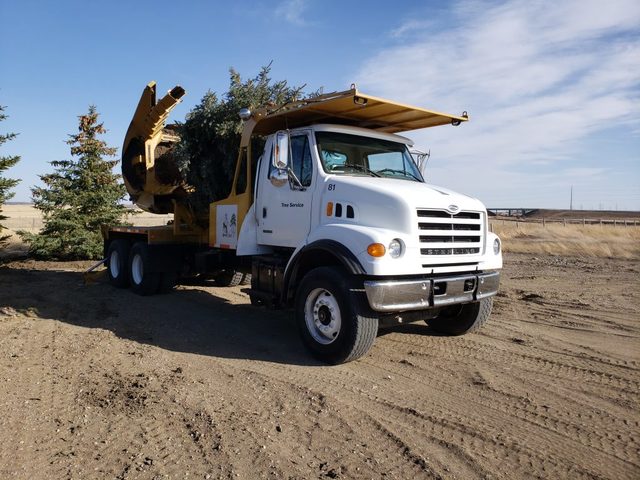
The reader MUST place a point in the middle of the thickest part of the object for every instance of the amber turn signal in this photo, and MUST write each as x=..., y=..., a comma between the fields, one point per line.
x=329, y=209
x=376, y=250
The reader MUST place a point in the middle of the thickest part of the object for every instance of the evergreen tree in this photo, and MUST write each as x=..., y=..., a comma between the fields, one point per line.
x=6, y=184
x=210, y=136
x=81, y=195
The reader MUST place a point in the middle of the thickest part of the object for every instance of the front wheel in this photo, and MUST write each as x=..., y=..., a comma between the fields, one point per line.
x=334, y=323
x=461, y=319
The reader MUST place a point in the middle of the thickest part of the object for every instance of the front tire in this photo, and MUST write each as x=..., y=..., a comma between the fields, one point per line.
x=461, y=319
x=144, y=281
x=118, y=263
x=335, y=324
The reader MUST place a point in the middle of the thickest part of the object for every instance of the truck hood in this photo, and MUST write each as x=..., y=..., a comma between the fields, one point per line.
x=392, y=203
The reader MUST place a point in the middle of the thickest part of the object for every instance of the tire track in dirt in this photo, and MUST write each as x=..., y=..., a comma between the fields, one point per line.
x=444, y=424
x=161, y=434
x=526, y=410
x=546, y=370
x=531, y=363
x=219, y=392
x=558, y=394
x=331, y=410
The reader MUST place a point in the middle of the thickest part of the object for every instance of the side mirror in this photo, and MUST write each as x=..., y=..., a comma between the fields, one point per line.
x=281, y=151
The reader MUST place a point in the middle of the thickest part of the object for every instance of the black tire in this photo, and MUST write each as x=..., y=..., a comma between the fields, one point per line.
x=118, y=263
x=335, y=323
x=144, y=281
x=461, y=319
x=246, y=279
x=229, y=278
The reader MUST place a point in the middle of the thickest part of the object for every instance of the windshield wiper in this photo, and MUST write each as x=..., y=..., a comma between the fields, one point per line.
x=362, y=168
x=403, y=172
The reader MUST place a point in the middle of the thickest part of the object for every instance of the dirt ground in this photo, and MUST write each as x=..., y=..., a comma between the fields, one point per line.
x=100, y=383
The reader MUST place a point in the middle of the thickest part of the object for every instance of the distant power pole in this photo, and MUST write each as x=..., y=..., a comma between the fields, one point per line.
x=571, y=201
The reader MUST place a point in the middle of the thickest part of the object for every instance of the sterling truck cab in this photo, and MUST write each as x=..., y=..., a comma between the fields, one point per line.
x=333, y=219
x=365, y=239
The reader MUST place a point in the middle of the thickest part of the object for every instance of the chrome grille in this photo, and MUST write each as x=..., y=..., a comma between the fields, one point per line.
x=442, y=233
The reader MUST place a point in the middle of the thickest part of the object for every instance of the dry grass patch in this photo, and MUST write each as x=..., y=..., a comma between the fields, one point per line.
x=573, y=240
x=14, y=247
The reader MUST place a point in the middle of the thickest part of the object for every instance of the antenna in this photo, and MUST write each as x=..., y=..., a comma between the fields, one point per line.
x=571, y=201
x=426, y=158
x=421, y=159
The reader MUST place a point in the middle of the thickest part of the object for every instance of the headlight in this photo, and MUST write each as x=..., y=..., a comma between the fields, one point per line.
x=496, y=246
x=395, y=248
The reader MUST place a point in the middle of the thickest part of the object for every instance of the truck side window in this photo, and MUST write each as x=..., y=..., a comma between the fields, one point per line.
x=301, y=159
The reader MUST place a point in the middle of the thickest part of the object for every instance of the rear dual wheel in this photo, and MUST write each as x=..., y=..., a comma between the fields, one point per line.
x=144, y=281
x=118, y=263
x=131, y=265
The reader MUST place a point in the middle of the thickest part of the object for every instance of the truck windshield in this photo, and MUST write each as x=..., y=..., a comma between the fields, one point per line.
x=345, y=154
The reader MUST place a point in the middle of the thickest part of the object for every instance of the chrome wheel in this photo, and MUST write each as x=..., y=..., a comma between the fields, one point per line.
x=322, y=316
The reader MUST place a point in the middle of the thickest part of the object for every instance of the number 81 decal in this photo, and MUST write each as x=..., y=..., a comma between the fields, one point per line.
x=332, y=186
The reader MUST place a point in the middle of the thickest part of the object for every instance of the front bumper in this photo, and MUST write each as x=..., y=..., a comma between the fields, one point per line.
x=401, y=295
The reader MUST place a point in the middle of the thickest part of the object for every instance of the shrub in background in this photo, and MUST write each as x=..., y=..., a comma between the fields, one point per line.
x=6, y=184
x=78, y=197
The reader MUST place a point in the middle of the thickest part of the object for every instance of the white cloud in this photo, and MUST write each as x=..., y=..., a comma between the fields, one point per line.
x=292, y=11
x=411, y=27
x=538, y=80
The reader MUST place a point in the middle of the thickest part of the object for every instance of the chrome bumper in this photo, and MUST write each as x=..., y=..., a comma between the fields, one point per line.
x=399, y=295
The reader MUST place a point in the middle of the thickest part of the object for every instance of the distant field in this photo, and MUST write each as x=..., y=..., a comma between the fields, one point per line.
x=26, y=217
x=518, y=237
x=571, y=240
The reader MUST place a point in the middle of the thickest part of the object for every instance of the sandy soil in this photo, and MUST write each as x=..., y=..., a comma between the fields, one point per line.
x=100, y=383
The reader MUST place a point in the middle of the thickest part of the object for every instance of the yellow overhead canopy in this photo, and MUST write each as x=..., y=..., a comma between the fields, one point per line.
x=355, y=109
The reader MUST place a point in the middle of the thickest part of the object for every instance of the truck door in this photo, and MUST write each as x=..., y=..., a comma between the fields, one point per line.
x=283, y=206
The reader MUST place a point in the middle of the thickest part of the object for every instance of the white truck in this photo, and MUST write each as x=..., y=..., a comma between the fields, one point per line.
x=333, y=219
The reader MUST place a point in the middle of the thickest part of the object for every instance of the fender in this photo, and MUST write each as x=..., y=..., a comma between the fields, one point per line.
x=319, y=249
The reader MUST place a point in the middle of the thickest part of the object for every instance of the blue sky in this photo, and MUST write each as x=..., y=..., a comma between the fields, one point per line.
x=552, y=88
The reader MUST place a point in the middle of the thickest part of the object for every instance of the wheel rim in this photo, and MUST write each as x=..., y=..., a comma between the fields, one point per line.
x=114, y=264
x=137, y=269
x=322, y=316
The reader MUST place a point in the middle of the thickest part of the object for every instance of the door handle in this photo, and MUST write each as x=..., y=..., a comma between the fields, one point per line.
x=264, y=212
